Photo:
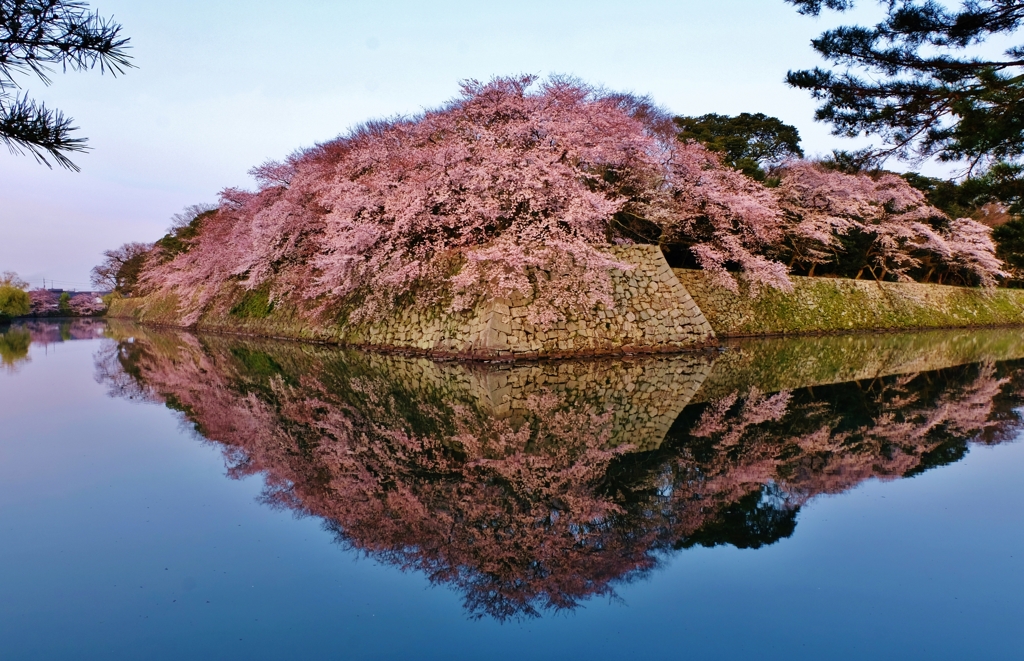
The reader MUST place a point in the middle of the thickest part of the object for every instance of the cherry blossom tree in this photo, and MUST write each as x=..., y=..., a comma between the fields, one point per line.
x=120, y=268
x=512, y=188
x=900, y=231
x=86, y=304
x=519, y=189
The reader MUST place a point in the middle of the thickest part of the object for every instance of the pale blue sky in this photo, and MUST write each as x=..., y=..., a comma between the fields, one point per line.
x=224, y=85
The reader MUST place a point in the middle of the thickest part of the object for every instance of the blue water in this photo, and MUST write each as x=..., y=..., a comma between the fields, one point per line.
x=121, y=537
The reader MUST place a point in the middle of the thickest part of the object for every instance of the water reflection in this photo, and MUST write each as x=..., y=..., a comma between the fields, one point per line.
x=15, y=338
x=537, y=486
x=14, y=343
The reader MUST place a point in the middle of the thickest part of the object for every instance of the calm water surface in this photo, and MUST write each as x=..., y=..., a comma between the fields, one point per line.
x=170, y=496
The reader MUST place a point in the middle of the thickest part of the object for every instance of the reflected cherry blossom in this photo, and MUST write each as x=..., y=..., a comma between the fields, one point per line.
x=539, y=486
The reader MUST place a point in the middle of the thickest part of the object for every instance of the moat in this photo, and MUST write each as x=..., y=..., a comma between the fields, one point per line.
x=840, y=497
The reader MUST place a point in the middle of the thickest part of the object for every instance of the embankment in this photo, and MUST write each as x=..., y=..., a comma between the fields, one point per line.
x=833, y=305
x=657, y=309
x=653, y=313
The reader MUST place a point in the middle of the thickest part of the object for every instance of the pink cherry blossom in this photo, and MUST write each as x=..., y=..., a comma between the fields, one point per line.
x=510, y=189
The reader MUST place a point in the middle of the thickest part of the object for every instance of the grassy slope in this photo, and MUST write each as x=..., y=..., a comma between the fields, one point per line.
x=829, y=305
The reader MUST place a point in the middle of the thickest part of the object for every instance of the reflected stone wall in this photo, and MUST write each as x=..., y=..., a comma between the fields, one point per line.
x=787, y=363
x=643, y=394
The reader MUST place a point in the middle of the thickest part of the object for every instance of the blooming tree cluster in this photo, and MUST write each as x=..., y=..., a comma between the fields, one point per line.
x=899, y=232
x=519, y=189
x=120, y=269
x=79, y=304
x=14, y=302
x=511, y=187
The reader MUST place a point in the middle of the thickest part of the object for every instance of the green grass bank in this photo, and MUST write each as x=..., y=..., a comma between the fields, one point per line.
x=833, y=305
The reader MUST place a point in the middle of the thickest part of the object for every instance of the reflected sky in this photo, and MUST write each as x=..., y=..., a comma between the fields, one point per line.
x=229, y=498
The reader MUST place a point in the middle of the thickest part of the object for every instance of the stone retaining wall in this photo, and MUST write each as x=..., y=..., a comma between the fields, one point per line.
x=653, y=313
x=829, y=305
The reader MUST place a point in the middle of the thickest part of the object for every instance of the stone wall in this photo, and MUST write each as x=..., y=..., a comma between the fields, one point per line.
x=653, y=313
x=829, y=305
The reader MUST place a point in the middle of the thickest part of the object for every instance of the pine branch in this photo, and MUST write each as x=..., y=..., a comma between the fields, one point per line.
x=909, y=79
x=37, y=36
x=28, y=127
